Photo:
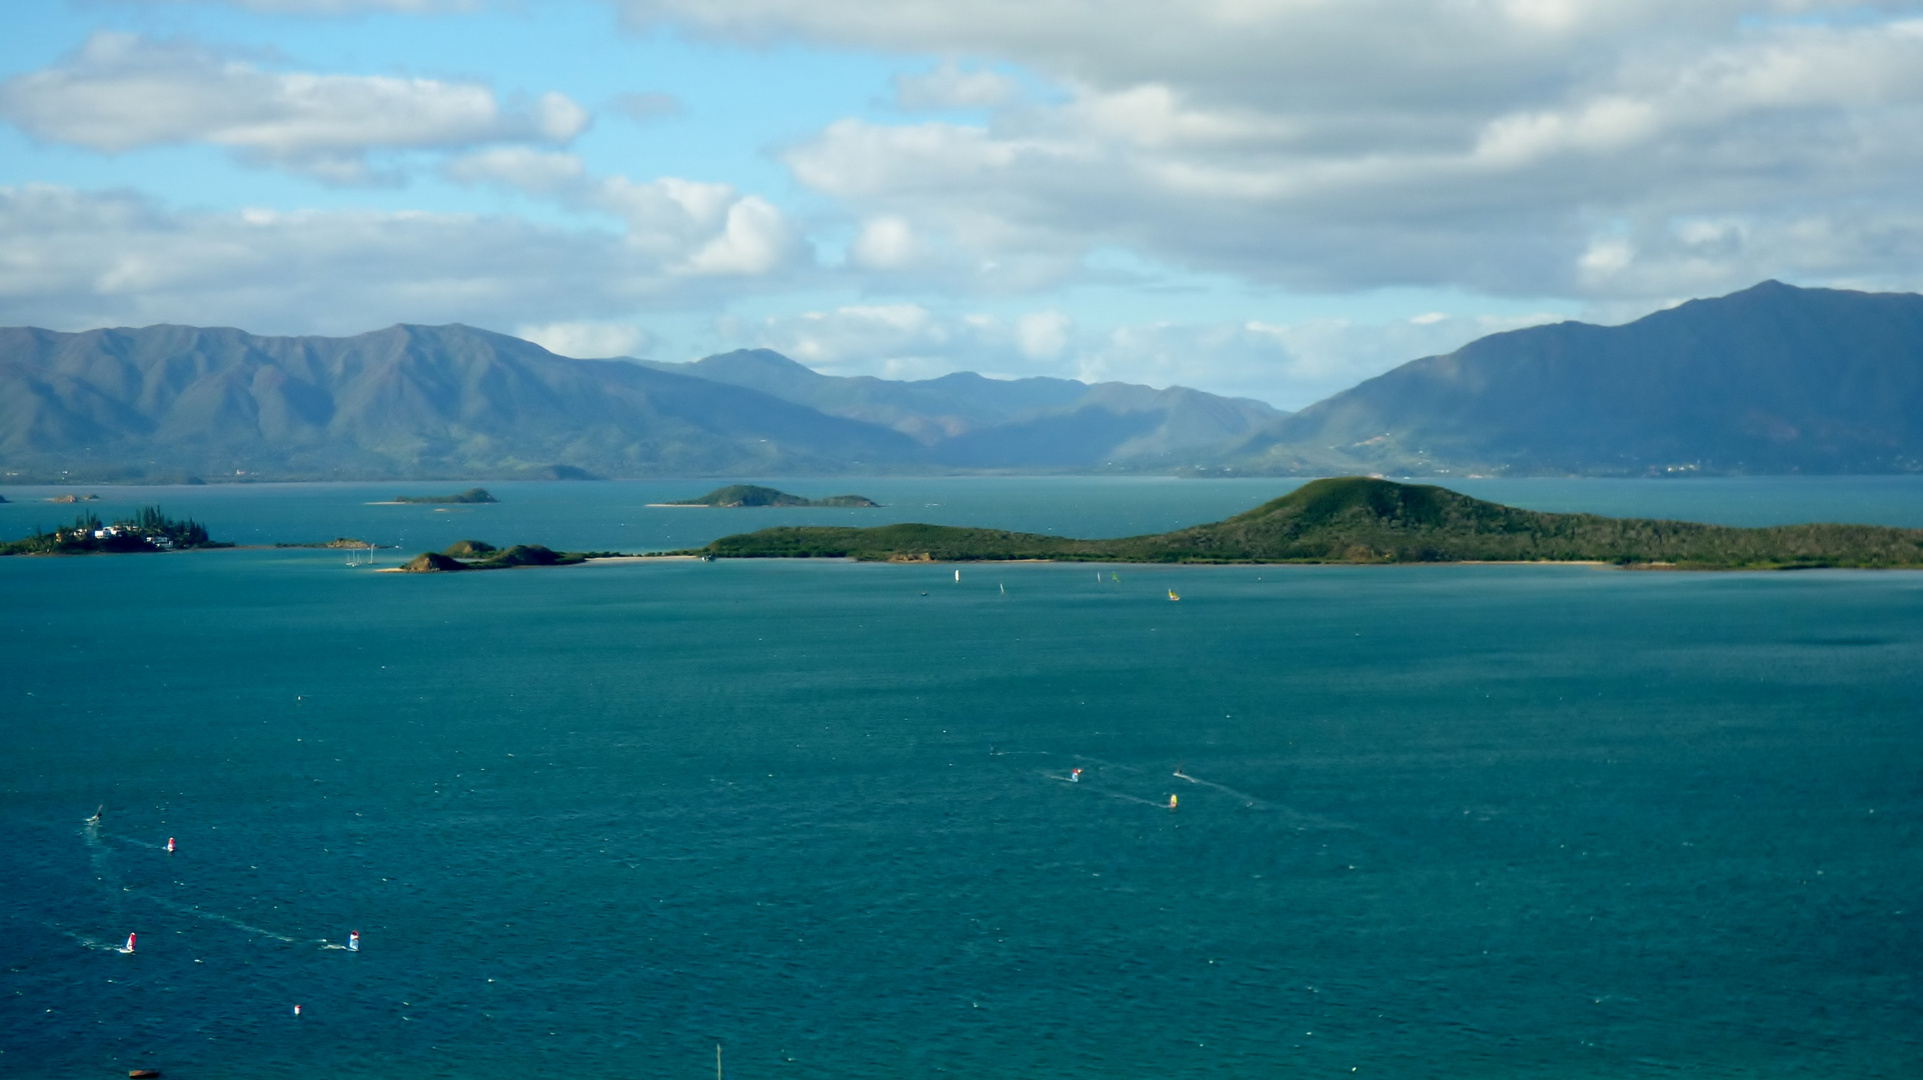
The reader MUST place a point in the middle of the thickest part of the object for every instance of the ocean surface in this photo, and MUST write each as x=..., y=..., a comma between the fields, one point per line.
x=1444, y=821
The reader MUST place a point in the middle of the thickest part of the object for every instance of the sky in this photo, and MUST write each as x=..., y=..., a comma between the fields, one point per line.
x=1266, y=198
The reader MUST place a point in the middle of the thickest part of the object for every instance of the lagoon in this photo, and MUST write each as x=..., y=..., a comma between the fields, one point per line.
x=1442, y=821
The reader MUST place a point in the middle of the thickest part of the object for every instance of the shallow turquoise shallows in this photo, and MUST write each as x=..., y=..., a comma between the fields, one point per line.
x=1443, y=821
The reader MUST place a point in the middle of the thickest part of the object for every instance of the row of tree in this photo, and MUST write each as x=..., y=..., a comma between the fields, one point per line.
x=147, y=530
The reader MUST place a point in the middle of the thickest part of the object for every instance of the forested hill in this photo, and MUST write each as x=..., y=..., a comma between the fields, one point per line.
x=1362, y=520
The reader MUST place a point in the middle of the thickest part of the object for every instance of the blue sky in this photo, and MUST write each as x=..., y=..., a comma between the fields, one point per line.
x=1274, y=198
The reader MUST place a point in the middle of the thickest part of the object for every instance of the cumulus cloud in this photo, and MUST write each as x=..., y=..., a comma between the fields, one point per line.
x=1519, y=147
x=537, y=172
x=121, y=92
x=949, y=86
x=1286, y=364
x=76, y=259
x=590, y=340
x=695, y=228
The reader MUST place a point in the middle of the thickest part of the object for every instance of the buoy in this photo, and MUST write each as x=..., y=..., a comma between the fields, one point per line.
x=170, y=845
x=353, y=941
x=130, y=943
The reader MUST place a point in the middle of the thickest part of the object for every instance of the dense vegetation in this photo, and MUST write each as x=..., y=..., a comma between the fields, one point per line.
x=480, y=555
x=1361, y=520
x=149, y=530
x=754, y=495
x=471, y=495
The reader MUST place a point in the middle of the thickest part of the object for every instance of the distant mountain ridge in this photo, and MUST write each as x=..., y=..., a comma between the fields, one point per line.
x=1773, y=379
x=971, y=421
x=166, y=403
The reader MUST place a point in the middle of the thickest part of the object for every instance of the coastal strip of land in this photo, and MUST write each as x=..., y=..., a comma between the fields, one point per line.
x=1362, y=520
x=470, y=497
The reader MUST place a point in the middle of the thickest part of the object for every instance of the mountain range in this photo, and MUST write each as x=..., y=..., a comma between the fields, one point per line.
x=167, y=403
x=1772, y=379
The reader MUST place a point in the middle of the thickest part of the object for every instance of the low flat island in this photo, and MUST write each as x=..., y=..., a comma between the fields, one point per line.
x=1361, y=520
x=471, y=495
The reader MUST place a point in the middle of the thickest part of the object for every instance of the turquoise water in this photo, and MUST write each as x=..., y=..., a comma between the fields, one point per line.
x=616, y=516
x=1435, y=821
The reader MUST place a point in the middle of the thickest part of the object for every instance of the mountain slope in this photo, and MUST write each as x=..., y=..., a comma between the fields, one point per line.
x=167, y=401
x=969, y=421
x=1772, y=379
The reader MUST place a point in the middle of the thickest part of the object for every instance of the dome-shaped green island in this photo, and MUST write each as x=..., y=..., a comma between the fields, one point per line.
x=737, y=495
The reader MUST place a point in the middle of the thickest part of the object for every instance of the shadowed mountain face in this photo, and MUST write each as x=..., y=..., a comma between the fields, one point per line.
x=969, y=421
x=169, y=401
x=1773, y=379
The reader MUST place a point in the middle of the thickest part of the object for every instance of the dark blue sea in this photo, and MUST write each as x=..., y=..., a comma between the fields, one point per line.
x=590, y=822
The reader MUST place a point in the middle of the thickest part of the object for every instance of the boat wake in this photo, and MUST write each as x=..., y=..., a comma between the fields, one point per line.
x=1255, y=803
x=100, y=861
x=1136, y=799
x=215, y=916
x=90, y=942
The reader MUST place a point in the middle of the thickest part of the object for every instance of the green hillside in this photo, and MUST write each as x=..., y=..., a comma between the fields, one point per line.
x=1361, y=520
x=737, y=495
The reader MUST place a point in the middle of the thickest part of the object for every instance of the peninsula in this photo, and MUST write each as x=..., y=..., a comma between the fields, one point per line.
x=1368, y=521
x=471, y=495
x=735, y=495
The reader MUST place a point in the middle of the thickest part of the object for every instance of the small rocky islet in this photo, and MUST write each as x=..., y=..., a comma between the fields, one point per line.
x=481, y=555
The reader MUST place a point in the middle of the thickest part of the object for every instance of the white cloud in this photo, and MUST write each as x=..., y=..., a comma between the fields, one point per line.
x=76, y=259
x=120, y=92
x=886, y=243
x=1042, y=335
x=949, y=86
x=1497, y=146
x=537, y=172
x=591, y=340
x=696, y=229
x=754, y=240
x=1286, y=364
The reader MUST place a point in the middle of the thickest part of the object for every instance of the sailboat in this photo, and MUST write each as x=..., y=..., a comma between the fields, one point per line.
x=1172, y=595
